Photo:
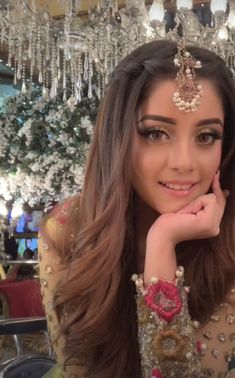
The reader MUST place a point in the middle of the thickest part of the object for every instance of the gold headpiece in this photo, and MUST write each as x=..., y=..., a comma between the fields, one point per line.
x=189, y=91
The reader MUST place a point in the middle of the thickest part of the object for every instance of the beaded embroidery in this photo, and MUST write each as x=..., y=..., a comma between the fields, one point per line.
x=187, y=97
x=167, y=343
x=62, y=211
x=165, y=330
x=180, y=354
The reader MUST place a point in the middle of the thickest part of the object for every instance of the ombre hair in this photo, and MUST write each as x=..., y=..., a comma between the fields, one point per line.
x=98, y=294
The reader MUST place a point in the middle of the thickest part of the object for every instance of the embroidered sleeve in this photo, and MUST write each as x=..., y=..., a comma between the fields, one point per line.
x=51, y=272
x=166, y=333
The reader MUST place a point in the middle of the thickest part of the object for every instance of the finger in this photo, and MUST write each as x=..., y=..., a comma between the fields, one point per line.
x=193, y=207
x=216, y=188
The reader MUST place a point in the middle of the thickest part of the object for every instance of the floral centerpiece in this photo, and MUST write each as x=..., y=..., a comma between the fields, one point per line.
x=43, y=147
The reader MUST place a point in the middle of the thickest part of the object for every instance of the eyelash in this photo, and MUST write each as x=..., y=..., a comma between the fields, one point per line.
x=213, y=134
x=150, y=133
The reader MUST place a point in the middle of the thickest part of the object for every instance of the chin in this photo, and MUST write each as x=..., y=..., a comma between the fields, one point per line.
x=170, y=209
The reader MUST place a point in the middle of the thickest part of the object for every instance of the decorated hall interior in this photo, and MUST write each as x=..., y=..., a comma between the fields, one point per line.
x=56, y=58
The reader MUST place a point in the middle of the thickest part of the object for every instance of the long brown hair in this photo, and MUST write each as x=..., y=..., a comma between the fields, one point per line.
x=98, y=294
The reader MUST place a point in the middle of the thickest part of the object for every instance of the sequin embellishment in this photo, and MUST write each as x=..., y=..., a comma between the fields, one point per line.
x=48, y=269
x=230, y=318
x=44, y=282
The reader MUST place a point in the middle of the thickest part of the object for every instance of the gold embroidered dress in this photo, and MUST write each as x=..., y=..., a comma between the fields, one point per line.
x=170, y=342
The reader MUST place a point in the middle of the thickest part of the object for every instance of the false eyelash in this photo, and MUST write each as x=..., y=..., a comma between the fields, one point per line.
x=215, y=134
x=145, y=131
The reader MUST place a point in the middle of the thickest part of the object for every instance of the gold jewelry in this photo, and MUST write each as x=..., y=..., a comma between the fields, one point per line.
x=187, y=98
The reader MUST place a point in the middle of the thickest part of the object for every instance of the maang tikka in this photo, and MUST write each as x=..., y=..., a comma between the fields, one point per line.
x=189, y=92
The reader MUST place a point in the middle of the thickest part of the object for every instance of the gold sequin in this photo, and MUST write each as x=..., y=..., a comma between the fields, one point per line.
x=49, y=317
x=215, y=353
x=208, y=335
x=48, y=269
x=224, y=305
x=50, y=305
x=44, y=282
x=221, y=337
x=230, y=318
x=215, y=318
x=144, y=316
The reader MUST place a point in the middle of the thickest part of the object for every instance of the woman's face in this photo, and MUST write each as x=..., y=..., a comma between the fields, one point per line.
x=175, y=154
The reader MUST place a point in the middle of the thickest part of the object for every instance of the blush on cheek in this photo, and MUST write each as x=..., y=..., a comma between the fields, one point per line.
x=209, y=190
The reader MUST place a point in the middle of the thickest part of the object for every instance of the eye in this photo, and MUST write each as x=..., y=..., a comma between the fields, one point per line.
x=153, y=134
x=208, y=137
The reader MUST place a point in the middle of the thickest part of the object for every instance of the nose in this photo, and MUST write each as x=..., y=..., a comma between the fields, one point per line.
x=181, y=157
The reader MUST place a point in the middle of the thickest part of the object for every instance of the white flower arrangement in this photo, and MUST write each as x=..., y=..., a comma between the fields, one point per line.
x=43, y=148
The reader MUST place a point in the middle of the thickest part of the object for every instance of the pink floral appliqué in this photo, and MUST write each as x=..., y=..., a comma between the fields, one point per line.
x=164, y=299
x=61, y=211
x=155, y=373
x=199, y=346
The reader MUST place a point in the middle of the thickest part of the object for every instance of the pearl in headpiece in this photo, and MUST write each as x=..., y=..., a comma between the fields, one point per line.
x=187, y=97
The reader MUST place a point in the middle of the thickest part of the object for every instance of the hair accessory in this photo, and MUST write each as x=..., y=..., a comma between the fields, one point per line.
x=189, y=91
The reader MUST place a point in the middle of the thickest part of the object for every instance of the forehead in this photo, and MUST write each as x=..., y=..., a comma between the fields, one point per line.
x=160, y=101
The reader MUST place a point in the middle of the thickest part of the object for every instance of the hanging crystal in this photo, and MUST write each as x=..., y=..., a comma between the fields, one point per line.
x=40, y=77
x=23, y=88
x=45, y=94
x=98, y=42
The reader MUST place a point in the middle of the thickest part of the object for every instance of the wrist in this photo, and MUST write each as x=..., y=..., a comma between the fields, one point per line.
x=157, y=246
x=160, y=261
x=160, y=235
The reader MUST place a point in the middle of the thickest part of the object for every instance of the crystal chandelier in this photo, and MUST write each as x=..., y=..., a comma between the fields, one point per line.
x=74, y=50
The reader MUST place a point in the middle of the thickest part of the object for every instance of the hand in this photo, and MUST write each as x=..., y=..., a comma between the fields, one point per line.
x=200, y=219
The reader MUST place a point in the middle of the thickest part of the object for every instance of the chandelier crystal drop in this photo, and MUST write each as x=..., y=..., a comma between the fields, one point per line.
x=78, y=52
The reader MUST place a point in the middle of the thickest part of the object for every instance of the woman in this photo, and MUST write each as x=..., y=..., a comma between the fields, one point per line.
x=152, y=201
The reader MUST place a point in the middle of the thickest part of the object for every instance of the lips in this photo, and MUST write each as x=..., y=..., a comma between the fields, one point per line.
x=177, y=188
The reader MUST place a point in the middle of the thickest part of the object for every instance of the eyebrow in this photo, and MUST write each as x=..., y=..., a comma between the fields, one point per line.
x=172, y=121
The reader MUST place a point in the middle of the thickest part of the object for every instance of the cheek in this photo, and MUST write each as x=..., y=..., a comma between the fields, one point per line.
x=139, y=158
x=211, y=164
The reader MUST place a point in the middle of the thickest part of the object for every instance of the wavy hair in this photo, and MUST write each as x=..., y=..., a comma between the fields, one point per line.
x=98, y=294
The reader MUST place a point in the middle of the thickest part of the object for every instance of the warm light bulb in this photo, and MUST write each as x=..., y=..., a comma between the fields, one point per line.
x=218, y=6
x=156, y=12
x=186, y=4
